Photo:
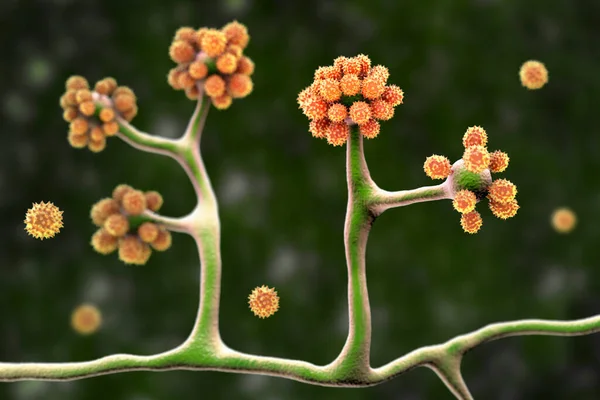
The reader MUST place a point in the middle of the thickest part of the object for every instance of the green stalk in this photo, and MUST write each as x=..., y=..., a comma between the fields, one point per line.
x=206, y=231
x=353, y=363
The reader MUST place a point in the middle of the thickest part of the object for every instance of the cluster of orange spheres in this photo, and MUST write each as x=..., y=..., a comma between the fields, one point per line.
x=263, y=301
x=92, y=121
x=43, y=220
x=346, y=93
x=470, y=178
x=212, y=61
x=123, y=227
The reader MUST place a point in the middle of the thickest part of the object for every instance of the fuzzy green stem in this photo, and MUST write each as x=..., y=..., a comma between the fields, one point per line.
x=439, y=357
x=383, y=200
x=206, y=231
x=462, y=344
x=145, y=142
x=193, y=132
x=202, y=223
x=237, y=362
x=191, y=357
x=189, y=156
x=181, y=224
x=448, y=370
x=116, y=363
x=353, y=361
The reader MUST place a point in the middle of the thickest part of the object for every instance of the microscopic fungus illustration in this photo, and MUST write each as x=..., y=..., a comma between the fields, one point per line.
x=347, y=106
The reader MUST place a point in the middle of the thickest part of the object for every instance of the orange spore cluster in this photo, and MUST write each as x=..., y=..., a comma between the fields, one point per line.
x=477, y=160
x=212, y=61
x=113, y=217
x=92, y=113
x=349, y=92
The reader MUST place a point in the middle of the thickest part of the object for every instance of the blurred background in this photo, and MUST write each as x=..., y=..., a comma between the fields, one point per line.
x=283, y=195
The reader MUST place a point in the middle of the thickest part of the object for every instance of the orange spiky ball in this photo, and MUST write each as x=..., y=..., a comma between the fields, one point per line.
x=437, y=167
x=337, y=133
x=533, y=75
x=236, y=34
x=103, y=242
x=475, y=136
x=471, y=222
x=86, y=319
x=563, y=220
x=498, y=161
x=154, y=200
x=117, y=225
x=43, y=220
x=132, y=250
x=502, y=191
x=263, y=301
x=318, y=128
x=370, y=129
x=464, y=201
x=163, y=240
x=148, y=232
x=476, y=158
x=134, y=202
x=504, y=210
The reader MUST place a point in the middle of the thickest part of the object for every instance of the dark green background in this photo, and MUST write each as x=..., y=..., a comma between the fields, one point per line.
x=283, y=194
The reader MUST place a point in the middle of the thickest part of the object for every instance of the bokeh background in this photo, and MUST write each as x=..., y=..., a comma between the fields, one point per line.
x=283, y=196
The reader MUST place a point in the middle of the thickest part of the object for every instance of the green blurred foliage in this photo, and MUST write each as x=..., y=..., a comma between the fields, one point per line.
x=283, y=194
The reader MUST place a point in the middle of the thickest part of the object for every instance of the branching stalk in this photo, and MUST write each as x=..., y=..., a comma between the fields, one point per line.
x=354, y=360
x=204, y=349
x=383, y=200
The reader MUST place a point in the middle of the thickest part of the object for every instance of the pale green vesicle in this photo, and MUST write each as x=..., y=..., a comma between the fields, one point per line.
x=463, y=179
